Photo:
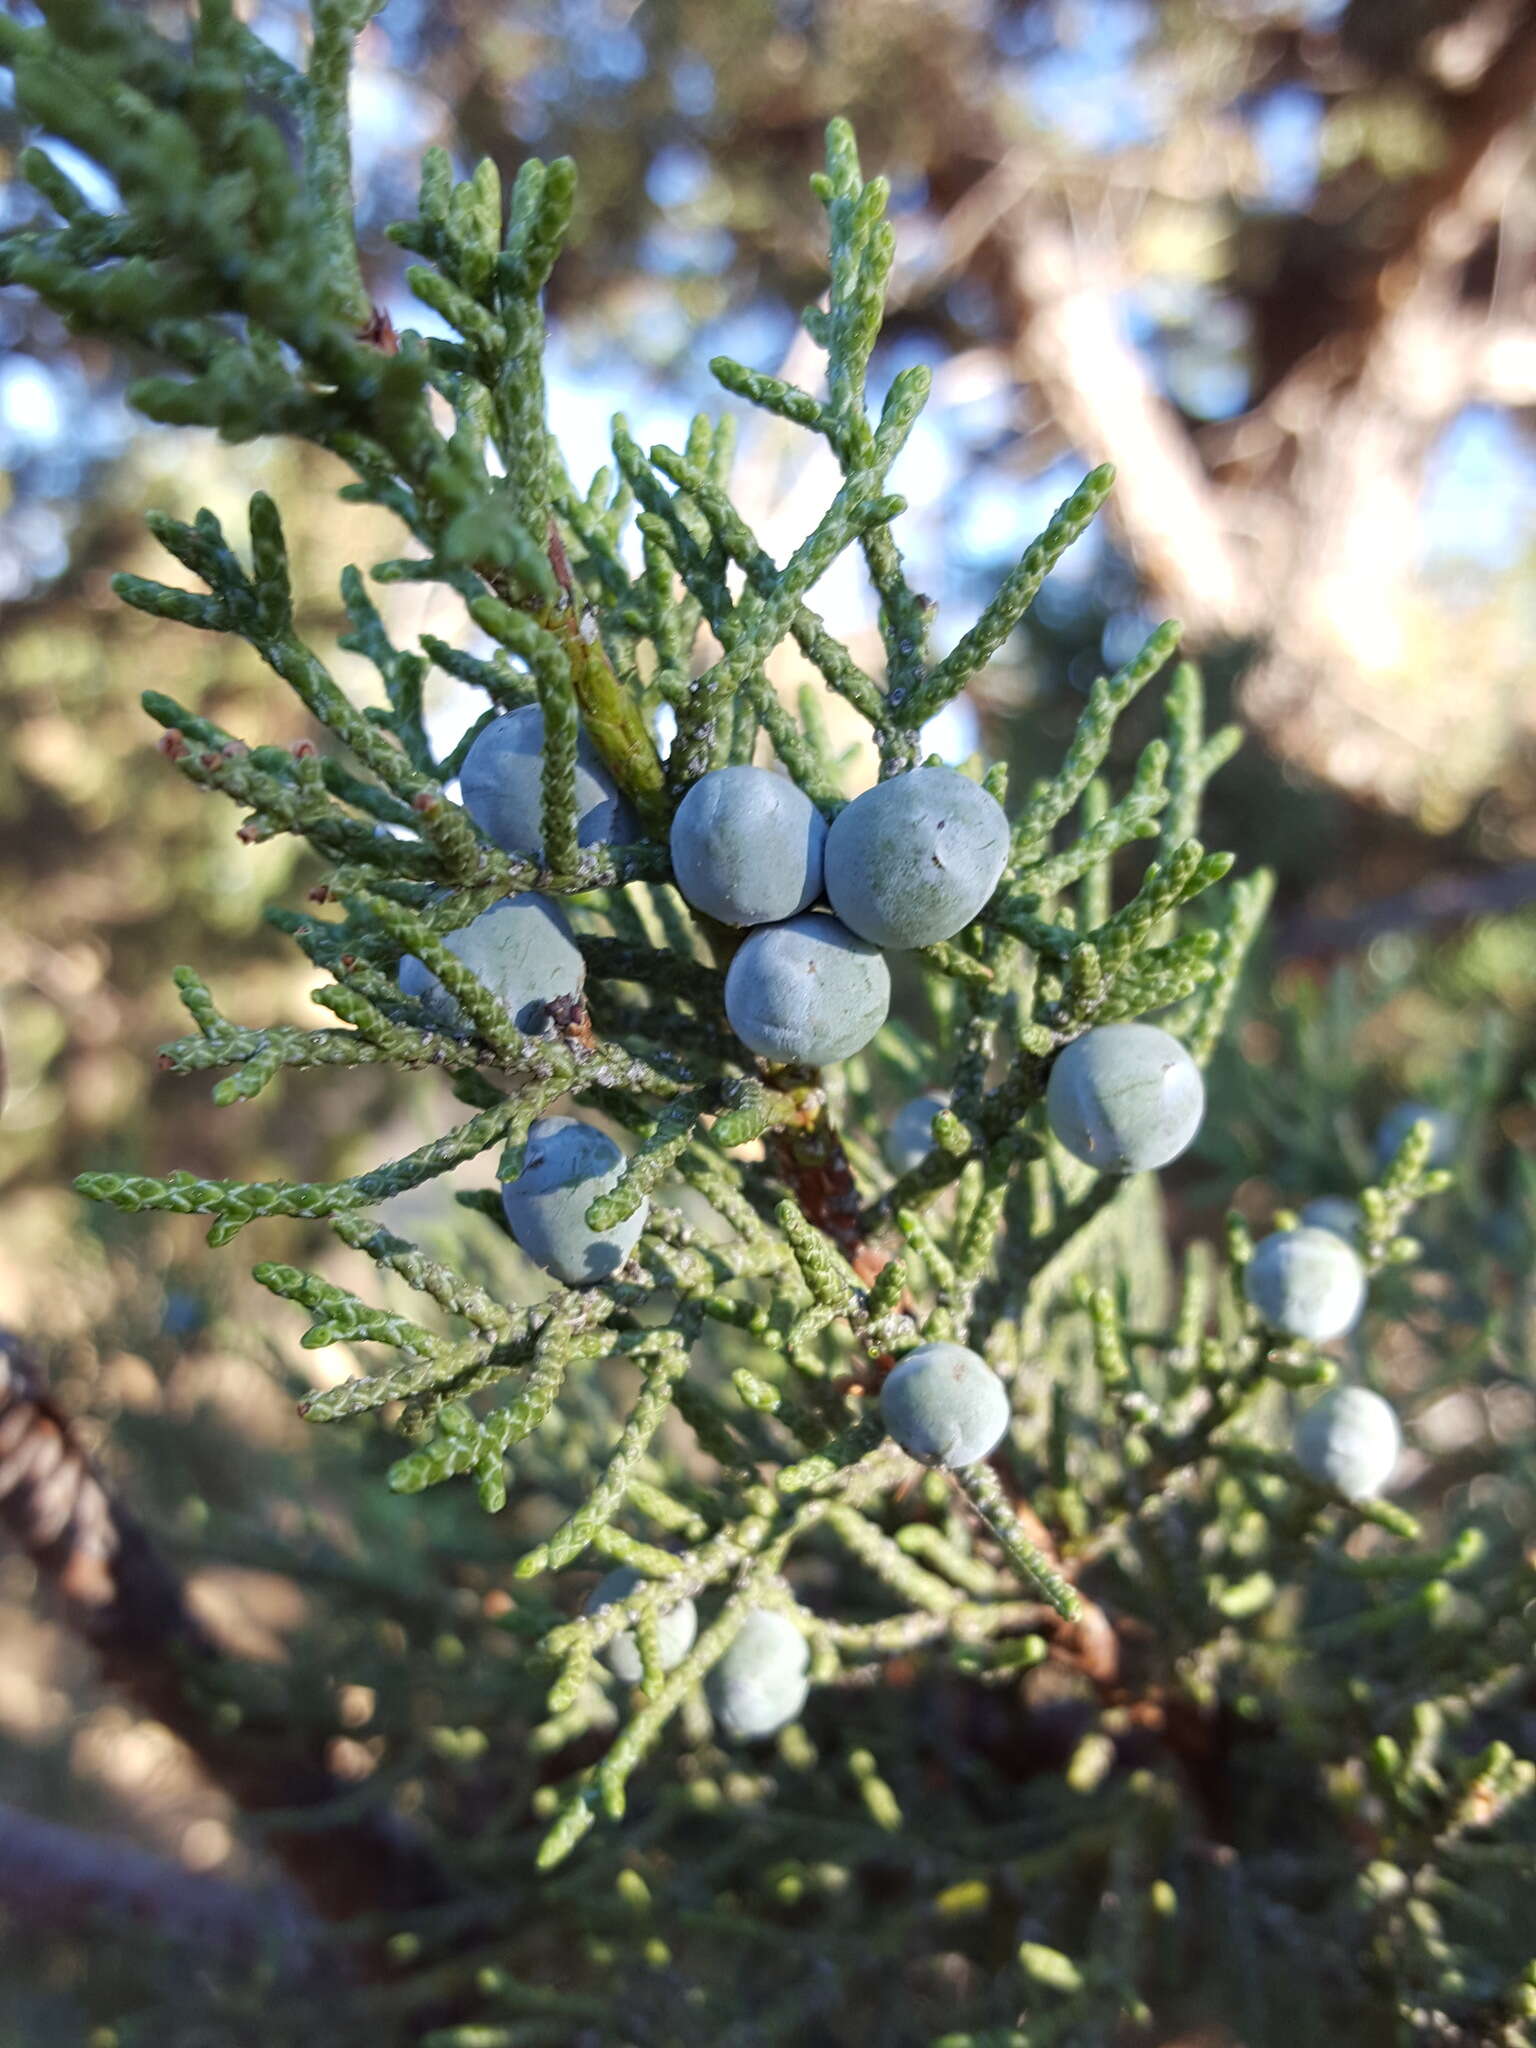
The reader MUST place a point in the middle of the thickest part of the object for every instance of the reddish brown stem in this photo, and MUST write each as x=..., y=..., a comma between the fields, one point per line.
x=808, y=1156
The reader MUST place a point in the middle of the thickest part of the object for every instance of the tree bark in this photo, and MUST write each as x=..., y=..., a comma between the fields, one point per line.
x=1357, y=419
x=55, y=1878
x=118, y=1593
x=1292, y=529
x=1096, y=388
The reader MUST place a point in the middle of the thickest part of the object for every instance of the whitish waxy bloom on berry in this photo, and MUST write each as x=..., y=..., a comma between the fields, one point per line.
x=759, y=1685
x=1126, y=1098
x=566, y=1166
x=1445, y=1128
x=913, y=860
x=1336, y=1213
x=521, y=949
x=807, y=992
x=909, y=1138
x=945, y=1406
x=675, y=1628
x=747, y=846
x=502, y=786
x=1307, y=1283
x=1349, y=1439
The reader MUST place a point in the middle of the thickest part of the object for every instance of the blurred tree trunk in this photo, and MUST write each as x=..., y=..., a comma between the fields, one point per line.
x=1379, y=306
x=1295, y=526
x=116, y=1591
x=55, y=1878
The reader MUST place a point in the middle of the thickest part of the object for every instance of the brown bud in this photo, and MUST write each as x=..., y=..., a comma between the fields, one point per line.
x=378, y=331
x=570, y=1017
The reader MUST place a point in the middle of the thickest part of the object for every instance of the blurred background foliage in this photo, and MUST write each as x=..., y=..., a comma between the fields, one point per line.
x=1274, y=260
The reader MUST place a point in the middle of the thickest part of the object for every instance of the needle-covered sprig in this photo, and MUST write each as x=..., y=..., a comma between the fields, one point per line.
x=706, y=1411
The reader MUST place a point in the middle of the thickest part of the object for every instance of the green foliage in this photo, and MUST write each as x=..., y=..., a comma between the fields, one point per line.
x=707, y=1415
